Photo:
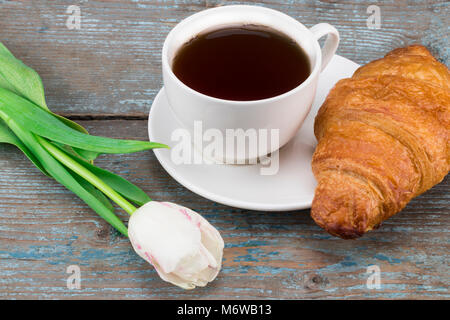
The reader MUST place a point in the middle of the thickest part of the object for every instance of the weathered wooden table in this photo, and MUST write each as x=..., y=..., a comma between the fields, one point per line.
x=105, y=75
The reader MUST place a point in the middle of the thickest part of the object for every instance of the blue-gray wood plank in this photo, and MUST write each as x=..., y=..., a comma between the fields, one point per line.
x=108, y=74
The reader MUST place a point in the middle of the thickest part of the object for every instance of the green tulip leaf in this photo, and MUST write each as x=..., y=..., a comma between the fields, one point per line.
x=93, y=190
x=119, y=184
x=7, y=136
x=21, y=79
x=60, y=174
x=25, y=82
x=44, y=124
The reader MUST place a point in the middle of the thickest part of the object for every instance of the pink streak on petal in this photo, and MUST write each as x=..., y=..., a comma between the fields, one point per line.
x=149, y=257
x=135, y=244
x=166, y=204
x=183, y=211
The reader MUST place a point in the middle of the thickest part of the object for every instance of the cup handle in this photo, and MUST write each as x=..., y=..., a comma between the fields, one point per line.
x=331, y=43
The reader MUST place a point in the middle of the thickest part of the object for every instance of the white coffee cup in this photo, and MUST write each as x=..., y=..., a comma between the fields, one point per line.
x=285, y=112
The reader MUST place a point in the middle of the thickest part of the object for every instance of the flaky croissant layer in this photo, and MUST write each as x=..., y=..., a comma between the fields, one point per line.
x=383, y=138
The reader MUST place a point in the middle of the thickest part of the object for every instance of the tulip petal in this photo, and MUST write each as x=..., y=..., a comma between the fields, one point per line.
x=167, y=234
x=182, y=246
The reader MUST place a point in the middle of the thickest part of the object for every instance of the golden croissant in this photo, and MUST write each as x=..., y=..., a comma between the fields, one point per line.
x=383, y=139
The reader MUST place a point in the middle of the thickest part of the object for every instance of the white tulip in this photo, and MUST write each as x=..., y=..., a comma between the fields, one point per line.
x=185, y=249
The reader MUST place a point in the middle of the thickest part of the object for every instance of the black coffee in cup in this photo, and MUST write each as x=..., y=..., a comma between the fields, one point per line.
x=242, y=63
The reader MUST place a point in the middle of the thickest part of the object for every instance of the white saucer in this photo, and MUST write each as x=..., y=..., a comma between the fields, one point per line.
x=243, y=186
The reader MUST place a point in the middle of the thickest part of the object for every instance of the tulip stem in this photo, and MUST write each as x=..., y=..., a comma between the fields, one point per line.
x=87, y=175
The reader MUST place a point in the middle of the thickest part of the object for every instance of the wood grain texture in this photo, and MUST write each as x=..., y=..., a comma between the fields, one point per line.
x=112, y=64
x=45, y=228
x=110, y=70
